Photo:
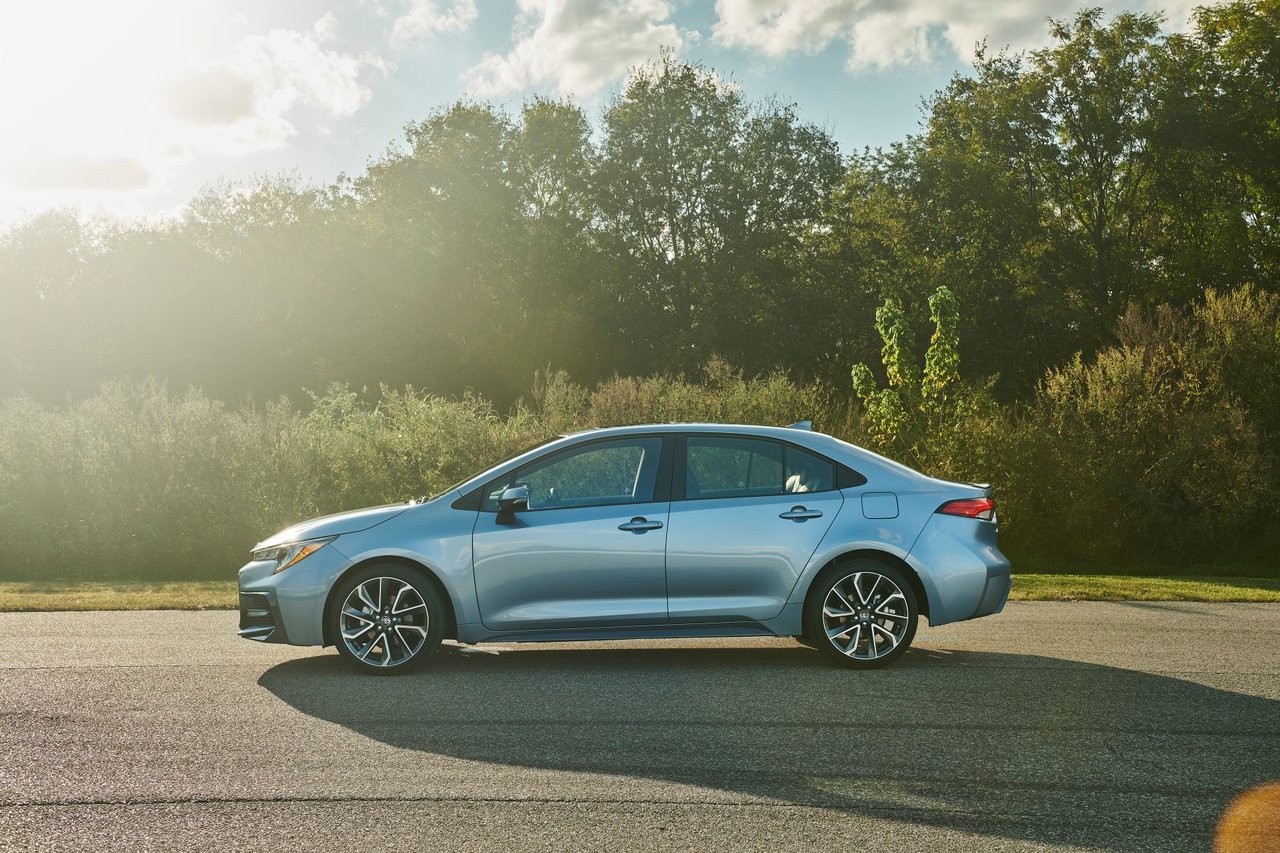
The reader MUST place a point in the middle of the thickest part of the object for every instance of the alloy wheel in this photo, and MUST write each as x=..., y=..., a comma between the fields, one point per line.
x=384, y=622
x=865, y=615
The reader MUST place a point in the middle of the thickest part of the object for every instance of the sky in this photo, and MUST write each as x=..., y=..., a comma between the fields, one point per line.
x=127, y=108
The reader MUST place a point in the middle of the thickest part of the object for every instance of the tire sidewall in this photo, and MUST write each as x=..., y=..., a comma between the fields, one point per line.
x=424, y=587
x=821, y=586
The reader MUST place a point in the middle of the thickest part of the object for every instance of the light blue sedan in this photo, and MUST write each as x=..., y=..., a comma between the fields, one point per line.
x=664, y=530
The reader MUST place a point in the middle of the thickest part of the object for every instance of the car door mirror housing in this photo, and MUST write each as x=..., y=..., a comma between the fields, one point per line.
x=511, y=501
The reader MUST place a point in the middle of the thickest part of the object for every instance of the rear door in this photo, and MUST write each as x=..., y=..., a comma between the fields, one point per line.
x=747, y=516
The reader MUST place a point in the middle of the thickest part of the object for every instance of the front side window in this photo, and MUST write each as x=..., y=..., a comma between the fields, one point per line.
x=600, y=474
x=723, y=467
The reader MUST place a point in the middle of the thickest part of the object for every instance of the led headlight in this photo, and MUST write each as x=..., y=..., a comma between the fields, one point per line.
x=285, y=556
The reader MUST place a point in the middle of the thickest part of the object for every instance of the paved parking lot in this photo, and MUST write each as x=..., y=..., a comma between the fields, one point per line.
x=1052, y=726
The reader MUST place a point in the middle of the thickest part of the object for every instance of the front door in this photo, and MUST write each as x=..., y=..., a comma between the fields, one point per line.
x=753, y=513
x=589, y=551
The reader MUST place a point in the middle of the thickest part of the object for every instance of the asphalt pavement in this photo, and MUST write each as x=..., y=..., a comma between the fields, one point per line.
x=1053, y=726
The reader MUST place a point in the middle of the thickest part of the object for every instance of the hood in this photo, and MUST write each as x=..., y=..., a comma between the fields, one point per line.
x=334, y=525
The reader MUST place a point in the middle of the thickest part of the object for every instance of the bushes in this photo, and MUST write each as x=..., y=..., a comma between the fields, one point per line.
x=133, y=480
x=1161, y=449
x=1122, y=463
x=1157, y=450
x=724, y=395
x=139, y=481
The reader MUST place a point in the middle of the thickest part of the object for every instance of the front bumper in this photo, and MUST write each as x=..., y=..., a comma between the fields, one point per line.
x=294, y=599
x=260, y=618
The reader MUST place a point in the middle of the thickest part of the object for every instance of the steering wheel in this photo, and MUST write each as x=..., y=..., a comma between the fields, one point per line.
x=553, y=497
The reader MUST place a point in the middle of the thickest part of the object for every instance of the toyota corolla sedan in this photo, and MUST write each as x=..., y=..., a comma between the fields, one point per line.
x=664, y=530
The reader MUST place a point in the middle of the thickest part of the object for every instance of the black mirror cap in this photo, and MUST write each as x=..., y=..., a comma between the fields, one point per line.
x=513, y=499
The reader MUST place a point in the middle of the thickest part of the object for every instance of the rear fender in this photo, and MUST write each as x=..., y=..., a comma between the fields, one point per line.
x=960, y=558
x=852, y=533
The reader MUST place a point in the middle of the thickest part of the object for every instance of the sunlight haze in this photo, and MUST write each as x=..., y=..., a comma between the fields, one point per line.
x=127, y=108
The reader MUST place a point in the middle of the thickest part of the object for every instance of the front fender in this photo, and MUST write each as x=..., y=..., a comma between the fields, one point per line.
x=440, y=543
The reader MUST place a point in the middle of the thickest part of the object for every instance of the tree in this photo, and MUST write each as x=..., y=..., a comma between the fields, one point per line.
x=44, y=265
x=704, y=199
x=920, y=409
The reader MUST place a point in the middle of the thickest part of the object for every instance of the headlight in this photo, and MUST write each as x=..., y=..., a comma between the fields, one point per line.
x=285, y=556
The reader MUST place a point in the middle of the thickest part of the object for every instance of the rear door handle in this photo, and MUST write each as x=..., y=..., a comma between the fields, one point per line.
x=799, y=513
x=640, y=524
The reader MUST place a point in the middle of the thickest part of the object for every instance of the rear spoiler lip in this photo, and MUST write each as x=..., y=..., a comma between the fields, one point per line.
x=985, y=488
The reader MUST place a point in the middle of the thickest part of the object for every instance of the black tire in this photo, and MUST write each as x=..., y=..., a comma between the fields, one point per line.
x=892, y=594
x=394, y=642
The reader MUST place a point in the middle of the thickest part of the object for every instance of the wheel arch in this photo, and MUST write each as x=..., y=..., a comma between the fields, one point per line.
x=330, y=602
x=913, y=577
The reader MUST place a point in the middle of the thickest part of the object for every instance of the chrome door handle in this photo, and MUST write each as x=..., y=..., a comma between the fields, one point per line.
x=799, y=513
x=640, y=524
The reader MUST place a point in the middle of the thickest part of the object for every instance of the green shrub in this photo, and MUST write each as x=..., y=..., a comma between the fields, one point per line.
x=928, y=418
x=1143, y=455
x=723, y=396
x=137, y=481
x=1157, y=450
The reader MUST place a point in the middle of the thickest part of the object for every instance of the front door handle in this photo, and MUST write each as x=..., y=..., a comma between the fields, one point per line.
x=640, y=524
x=799, y=513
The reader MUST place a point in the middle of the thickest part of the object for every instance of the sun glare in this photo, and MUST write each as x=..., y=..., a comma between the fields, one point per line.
x=85, y=95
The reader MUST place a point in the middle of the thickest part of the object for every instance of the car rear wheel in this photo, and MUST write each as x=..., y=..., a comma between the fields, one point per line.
x=861, y=613
x=387, y=619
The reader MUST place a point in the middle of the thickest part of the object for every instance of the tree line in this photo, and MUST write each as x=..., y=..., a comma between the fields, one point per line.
x=1050, y=192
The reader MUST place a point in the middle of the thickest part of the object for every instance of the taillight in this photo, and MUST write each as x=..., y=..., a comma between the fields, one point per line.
x=983, y=508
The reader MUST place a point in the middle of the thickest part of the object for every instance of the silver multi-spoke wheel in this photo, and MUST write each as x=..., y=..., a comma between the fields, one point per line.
x=866, y=615
x=384, y=622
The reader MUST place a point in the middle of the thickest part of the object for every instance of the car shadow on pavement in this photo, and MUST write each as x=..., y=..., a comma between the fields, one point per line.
x=1015, y=746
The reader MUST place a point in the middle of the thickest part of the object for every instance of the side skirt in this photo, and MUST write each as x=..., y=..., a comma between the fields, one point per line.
x=474, y=633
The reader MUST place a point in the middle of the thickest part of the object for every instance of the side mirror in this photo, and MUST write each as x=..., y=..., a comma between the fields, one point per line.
x=510, y=502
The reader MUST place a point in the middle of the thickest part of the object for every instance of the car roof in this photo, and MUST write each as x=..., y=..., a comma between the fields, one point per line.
x=788, y=433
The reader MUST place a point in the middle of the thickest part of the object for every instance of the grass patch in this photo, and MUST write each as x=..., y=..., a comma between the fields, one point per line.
x=121, y=595
x=1055, y=587
x=221, y=595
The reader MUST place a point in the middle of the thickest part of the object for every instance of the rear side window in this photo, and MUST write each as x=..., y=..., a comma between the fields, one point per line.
x=719, y=467
x=726, y=467
x=808, y=472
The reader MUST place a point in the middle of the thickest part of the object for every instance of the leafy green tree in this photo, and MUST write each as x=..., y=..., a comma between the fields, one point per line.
x=919, y=409
x=704, y=199
x=1050, y=191
x=45, y=263
x=562, y=314
x=1224, y=127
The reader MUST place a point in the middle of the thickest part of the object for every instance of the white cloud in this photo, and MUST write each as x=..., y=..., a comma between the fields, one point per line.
x=52, y=171
x=425, y=18
x=215, y=95
x=887, y=33
x=255, y=90
x=578, y=46
x=776, y=27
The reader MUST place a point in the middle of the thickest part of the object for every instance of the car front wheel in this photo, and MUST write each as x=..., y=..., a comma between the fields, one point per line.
x=861, y=613
x=388, y=619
